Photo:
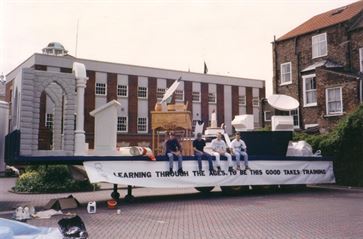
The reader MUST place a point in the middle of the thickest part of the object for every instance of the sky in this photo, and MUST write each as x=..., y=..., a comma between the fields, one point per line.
x=233, y=37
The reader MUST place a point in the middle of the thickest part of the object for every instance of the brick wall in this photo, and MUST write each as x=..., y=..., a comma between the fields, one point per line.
x=89, y=105
x=188, y=89
x=357, y=42
x=298, y=51
x=111, y=86
x=151, y=98
x=220, y=104
x=249, y=108
x=350, y=87
x=235, y=105
x=133, y=103
x=204, y=104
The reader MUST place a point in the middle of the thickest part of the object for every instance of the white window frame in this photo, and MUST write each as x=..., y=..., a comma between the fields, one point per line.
x=298, y=118
x=304, y=90
x=105, y=88
x=127, y=90
x=127, y=125
x=146, y=126
x=178, y=93
x=264, y=115
x=160, y=91
x=283, y=81
x=317, y=44
x=256, y=99
x=138, y=91
x=328, y=113
x=194, y=94
x=361, y=59
x=215, y=97
x=240, y=101
x=49, y=121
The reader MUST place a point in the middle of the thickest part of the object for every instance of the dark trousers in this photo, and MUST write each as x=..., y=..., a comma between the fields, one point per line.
x=199, y=156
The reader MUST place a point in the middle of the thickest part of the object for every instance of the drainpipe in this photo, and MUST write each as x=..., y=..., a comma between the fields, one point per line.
x=275, y=89
x=79, y=70
x=298, y=75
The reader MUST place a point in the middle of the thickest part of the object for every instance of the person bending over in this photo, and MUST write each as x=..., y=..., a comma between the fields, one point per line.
x=219, y=148
x=239, y=148
x=198, y=146
x=173, y=149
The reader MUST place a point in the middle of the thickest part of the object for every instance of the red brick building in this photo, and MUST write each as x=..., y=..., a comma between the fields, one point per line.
x=137, y=88
x=320, y=63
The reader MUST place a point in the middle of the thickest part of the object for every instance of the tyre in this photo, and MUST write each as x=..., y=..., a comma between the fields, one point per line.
x=115, y=196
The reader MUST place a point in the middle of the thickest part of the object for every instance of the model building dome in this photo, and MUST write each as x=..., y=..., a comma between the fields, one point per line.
x=55, y=49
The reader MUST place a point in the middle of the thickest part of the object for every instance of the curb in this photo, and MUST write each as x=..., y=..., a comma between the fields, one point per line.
x=339, y=188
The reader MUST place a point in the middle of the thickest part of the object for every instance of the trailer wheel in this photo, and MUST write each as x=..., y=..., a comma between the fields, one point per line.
x=115, y=195
x=231, y=190
x=204, y=189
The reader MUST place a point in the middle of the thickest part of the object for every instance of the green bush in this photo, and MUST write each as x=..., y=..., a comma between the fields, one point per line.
x=50, y=179
x=345, y=143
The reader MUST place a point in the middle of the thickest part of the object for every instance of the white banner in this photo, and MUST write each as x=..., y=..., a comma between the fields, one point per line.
x=156, y=174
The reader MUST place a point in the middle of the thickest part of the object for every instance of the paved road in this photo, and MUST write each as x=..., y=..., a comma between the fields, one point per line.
x=175, y=213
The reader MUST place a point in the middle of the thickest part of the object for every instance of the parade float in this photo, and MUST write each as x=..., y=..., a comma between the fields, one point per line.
x=273, y=161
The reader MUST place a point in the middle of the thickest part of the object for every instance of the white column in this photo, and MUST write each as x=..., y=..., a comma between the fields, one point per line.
x=4, y=120
x=81, y=81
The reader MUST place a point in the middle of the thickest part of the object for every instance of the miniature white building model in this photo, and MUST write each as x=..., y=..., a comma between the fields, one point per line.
x=243, y=123
x=55, y=49
x=106, y=128
x=4, y=113
x=282, y=123
x=79, y=70
x=213, y=129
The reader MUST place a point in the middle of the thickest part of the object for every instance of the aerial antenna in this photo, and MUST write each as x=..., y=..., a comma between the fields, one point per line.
x=77, y=38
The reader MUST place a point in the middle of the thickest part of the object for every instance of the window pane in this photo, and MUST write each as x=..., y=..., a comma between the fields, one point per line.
x=179, y=95
x=160, y=93
x=142, y=92
x=196, y=96
x=100, y=89
x=211, y=98
x=122, y=90
x=242, y=100
x=142, y=124
x=122, y=124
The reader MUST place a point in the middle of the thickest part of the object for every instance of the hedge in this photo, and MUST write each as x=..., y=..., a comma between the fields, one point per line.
x=50, y=179
x=345, y=143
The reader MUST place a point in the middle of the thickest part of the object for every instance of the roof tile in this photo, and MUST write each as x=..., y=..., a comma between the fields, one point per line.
x=326, y=19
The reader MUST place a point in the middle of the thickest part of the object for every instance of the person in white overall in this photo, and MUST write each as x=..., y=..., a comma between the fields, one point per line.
x=239, y=148
x=219, y=148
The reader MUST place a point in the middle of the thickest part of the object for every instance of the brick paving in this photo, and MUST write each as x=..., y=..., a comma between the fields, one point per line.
x=175, y=213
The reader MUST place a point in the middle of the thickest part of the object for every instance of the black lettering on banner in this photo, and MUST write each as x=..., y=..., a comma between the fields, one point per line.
x=198, y=173
x=132, y=174
x=256, y=172
x=273, y=172
x=291, y=172
x=165, y=174
x=314, y=171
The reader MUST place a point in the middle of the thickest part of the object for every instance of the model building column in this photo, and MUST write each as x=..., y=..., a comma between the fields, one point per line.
x=81, y=81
